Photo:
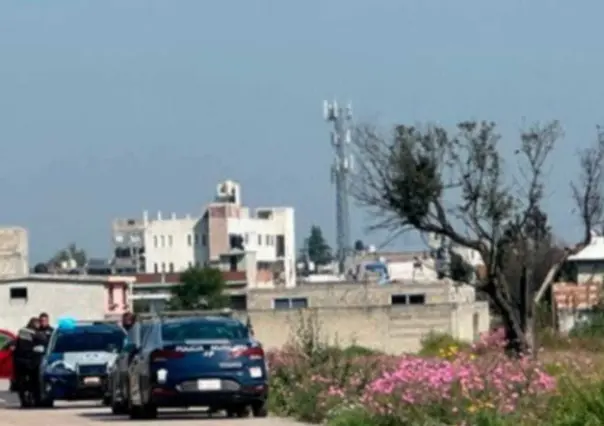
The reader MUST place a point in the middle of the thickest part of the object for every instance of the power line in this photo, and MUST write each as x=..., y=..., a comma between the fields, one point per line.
x=340, y=170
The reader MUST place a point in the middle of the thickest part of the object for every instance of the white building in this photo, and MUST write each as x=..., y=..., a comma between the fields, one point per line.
x=13, y=251
x=227, y=235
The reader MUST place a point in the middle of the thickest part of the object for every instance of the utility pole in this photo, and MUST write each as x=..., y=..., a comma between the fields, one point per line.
x=340, y=170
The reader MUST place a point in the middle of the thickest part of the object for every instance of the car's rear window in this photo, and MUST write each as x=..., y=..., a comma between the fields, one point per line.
x=203, y=330
x=89, y=341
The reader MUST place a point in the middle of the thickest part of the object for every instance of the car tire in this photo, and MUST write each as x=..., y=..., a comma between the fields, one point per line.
x=135, y=413
x=149, y=412
x=118, y=408
x=47, y=403
x=240, y=411
x=260, y=409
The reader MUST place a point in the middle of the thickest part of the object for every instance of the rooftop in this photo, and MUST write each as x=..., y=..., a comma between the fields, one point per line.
x=594, y=251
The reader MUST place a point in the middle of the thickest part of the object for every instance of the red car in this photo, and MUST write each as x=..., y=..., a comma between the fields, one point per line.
x=7, y=344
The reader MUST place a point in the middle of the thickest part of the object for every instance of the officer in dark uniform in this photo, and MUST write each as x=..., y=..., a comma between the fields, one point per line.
x=128, y=320
x=45, y=327
x=29, y=349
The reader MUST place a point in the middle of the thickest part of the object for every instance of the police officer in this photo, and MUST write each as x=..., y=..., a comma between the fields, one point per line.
x=45, y=329
x=26, y=360
x=128, y=320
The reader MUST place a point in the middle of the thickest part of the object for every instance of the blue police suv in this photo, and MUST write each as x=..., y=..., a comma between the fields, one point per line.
x=198, y=361
x=77, y=361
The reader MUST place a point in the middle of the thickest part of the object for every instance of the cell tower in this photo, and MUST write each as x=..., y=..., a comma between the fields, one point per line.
x=340, y=139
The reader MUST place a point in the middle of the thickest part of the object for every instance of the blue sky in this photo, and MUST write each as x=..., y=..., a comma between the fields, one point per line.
x=111, y=107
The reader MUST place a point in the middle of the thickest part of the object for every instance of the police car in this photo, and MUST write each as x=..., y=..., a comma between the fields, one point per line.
x=198, y=361
x=77, y=360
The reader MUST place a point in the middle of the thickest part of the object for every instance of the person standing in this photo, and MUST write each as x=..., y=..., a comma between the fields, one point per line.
x=128, y=321
x=26, y=360
x=45, y=327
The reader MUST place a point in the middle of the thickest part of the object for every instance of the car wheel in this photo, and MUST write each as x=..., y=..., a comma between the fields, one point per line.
x=24, y=399
x=260, y=409
x=240, y=411
x=118, y=408
x=149, y=411
x=135, y=413
x=47, y=403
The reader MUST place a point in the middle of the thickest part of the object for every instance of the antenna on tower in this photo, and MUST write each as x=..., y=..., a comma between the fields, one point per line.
x=341, y=138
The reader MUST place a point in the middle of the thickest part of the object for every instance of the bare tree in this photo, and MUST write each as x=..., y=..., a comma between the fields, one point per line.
x=456, y=185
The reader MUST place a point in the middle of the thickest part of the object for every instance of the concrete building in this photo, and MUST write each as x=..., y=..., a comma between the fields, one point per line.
x=227, y=235
x=14, y=251
x=84, y=297
x=574, y=300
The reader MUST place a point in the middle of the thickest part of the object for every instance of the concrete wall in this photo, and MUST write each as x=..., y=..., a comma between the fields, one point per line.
x=14, y=251
x=393, y=329
x=590, y=271
x=81, y=300
x=350, y=295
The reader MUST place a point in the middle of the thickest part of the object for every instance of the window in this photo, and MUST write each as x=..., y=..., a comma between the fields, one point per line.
x=163, y=267
x=290, y=303
x=169, y=240
x=246, y=238
x=233, y=263
x=238, y=302
x=299, y=303
x=18, y=293
x=155, y=268
x=259, y=239
x=268, y=240
x=88, y=341
x=204, y=240
x=417, y=299
x=196, y=239
x=408, y=299
x=189, y=240
x=155, y=241
x=110, y=290
x=398, y=299
x=171, y=267
x=163, y=241
x=280, y=246
x=202, y=330
x=281, y=304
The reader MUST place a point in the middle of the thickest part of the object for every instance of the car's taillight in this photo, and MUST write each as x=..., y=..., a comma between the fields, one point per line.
x=254, y=352
x=165, y=354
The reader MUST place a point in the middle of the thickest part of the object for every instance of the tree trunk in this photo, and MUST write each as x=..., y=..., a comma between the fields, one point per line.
x=516, y=318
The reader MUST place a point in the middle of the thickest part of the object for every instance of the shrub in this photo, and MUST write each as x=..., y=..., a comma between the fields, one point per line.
x=452, y=384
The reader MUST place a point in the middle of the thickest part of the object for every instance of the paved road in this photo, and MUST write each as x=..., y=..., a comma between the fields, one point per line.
x=76, y=414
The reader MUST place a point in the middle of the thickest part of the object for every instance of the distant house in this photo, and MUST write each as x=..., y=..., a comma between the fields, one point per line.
x=575, y=299
x=80, y=296
x=590, y=262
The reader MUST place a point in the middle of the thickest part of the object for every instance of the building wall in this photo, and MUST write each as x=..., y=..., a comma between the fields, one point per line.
x=590, y=271
x=116, y=297
x=392, y=329
x=340, y=294
x=170, y=244
x=14, y=251
x=81, y=300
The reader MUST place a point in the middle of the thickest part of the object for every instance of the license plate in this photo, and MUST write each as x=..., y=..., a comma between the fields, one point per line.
x=255, y=372
x=92, y=380
x=208, y=385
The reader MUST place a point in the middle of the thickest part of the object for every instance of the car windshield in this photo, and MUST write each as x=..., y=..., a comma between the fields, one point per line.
x=203, y=330
x=89, y=341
